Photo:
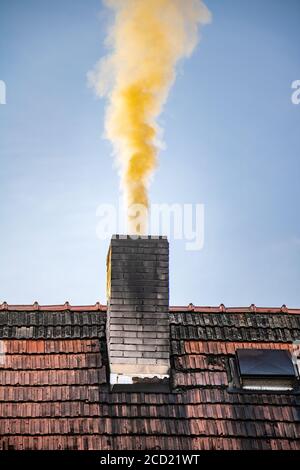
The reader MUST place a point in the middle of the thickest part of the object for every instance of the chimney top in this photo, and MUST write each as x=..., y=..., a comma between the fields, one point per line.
x=139, y=237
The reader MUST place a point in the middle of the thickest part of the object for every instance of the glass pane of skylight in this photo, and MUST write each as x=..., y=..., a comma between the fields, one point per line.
x=265, y=362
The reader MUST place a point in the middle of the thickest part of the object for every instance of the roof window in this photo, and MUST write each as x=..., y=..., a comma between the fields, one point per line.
x=266, y=369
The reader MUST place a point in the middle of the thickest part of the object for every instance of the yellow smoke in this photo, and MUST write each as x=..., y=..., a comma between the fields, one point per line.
x=147, y=39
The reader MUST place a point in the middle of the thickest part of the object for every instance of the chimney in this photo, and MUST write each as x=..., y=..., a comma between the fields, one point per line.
x=138, y=310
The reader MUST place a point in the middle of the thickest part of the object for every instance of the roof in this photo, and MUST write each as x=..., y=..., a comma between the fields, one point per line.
x=54, y=391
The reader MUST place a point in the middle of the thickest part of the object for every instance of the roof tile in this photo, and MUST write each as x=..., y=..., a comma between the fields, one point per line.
x=54, y=391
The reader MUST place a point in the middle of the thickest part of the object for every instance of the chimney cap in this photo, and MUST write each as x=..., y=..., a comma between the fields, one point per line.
x=138, y=237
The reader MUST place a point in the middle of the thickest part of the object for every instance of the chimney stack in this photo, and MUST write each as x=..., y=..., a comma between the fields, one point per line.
x=138, y=310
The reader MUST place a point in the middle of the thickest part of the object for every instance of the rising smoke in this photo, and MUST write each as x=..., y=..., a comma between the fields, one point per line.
x=147, y=40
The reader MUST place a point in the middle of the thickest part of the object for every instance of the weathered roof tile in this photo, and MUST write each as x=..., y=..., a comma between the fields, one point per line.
x=54, y=391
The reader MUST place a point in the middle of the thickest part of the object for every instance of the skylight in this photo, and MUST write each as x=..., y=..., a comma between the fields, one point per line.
x=266, y=369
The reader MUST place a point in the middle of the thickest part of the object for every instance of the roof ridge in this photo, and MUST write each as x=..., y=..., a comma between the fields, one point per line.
x=173, y=309
x=222, y=309
x=58, y=307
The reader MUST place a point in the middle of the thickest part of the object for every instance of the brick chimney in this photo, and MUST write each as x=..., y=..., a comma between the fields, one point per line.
x=138, y=310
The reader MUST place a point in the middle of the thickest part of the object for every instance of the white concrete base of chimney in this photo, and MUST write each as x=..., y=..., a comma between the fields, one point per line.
x=140, y=369
x=122, y=379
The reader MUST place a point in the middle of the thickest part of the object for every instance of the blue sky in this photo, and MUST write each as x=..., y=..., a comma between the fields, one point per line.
x=232, y=143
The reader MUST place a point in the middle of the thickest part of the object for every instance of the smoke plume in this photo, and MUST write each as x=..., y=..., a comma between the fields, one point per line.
x=147, y=40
